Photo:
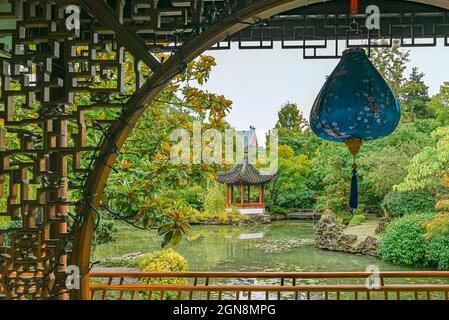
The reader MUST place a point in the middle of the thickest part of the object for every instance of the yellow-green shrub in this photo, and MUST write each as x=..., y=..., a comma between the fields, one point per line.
x=167, y=260
x=221, y=217
x=357, y=219
x=214, y=198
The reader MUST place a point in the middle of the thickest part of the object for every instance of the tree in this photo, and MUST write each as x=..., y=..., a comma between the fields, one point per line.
x=290, y=189
x=415, y=97
x=440, y=104
x=430, y=168
x=330, y=177
x=391, y=63
x=290, y=118
x=140, y=190
x=293, y=129
x=382, y=162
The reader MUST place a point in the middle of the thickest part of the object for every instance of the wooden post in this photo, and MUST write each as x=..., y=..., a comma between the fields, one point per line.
x=249, y=194
x=232, y=195
x=242, y=194
x=260, y=194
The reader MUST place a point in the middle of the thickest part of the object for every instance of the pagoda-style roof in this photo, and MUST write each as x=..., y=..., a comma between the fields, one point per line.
x=245, y=173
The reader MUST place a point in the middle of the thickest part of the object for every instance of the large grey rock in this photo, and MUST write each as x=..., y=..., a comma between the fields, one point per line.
x=329, y=236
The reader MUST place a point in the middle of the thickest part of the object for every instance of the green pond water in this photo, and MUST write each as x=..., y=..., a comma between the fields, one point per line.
x=279, y=246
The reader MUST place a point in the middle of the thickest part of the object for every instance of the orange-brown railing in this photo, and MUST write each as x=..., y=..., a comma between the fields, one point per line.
x=428, y=285
x=246, y=205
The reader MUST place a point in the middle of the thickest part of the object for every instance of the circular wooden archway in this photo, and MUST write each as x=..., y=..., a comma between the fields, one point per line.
x=44, y=48
x=187, y=52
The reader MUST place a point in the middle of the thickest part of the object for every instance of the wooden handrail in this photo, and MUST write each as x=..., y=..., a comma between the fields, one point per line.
x=383, y=274
x=274, y=288
x=113, y=283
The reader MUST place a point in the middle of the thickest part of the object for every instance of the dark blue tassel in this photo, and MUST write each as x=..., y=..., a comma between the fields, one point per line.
x=354, y=196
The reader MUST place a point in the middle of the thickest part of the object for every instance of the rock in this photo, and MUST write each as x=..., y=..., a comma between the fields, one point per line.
x=275, y=217
x=383, y=222
x=347, y=238
x=329, y=236
x=258, y=218
x=368, y=246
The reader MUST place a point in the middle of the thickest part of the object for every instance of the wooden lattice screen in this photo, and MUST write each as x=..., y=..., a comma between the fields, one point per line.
x=56, y=86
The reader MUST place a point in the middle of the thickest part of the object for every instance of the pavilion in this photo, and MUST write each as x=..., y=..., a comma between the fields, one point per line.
x=244, y=176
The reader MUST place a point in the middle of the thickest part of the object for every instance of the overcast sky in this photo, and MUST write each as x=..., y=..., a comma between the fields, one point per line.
x=260, y=81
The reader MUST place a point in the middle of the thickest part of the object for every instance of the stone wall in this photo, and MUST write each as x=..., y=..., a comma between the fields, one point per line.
x=329, y=236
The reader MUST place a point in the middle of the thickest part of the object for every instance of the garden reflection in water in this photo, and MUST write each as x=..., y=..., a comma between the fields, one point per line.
x=279, y=246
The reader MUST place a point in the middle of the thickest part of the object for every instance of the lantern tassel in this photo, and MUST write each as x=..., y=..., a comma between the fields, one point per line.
x=354, y=146
x=354, y=196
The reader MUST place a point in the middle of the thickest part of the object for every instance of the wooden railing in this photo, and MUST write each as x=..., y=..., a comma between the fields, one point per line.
x=247, y=205
x=427, y=285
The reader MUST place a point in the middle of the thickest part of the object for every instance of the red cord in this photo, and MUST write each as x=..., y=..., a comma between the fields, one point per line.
x=354, y=7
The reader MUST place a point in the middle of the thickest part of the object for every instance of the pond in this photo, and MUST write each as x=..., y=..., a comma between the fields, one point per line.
x=279, y=246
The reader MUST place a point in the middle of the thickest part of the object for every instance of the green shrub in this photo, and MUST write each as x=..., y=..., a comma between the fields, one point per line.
x=361, y=209
x=403, y=241
x=106, y=232
x=167, y=260
x=214, y=198
x=357, y=220
x=271, y=208
x=437, y=252
x=343, y=217
x=120, y=263
x=302, y=199
x=398, y=204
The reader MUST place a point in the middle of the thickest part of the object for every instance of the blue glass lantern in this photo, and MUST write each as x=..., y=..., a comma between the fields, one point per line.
x=355, y=105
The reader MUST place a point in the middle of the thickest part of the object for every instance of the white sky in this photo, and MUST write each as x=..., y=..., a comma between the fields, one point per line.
x=260, y=81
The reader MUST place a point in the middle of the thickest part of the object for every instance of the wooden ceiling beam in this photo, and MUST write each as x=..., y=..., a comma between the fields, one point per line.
x=132, y=42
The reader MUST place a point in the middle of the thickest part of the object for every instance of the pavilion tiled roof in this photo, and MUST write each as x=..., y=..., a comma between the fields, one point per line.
x=245, y=173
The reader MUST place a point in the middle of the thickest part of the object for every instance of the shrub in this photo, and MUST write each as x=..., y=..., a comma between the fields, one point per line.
x=106, y=232
x=357, y=220
x=214, y=198
x=438, y=225
x=271, y=208
x=343, y=217
x=437, y=234
x=437, y=252
x=167, y=260
x=302, y=199
x=403, y=241
x=119, y=263
x=398, y=204
x=222, y=217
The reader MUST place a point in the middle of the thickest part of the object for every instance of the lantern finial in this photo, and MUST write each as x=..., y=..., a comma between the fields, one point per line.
x=354, y=145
